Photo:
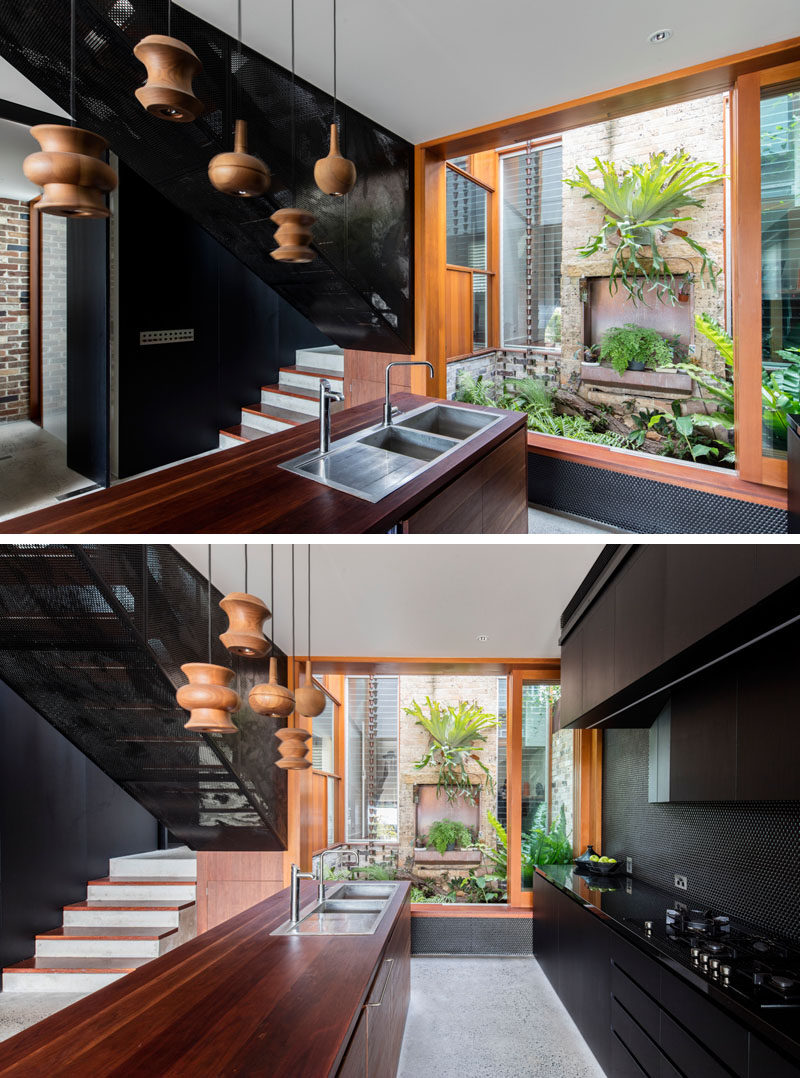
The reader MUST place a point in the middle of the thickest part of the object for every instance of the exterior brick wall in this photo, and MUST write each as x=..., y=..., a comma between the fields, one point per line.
x=695, y=126
x=14, y=310
x=413, y=742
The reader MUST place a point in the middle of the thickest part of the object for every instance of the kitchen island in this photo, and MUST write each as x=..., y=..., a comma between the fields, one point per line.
x=479, y=487
x=239, y=1001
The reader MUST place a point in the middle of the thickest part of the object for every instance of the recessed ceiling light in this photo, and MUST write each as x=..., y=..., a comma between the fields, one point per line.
x=658, y=36
x=482, y=637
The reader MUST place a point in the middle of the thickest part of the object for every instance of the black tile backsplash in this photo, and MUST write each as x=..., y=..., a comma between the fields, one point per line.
x=742, y=857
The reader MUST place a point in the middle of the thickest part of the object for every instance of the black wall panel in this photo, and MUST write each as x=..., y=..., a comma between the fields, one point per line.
x=175, y=397
x=738, y=856
x=61, y=819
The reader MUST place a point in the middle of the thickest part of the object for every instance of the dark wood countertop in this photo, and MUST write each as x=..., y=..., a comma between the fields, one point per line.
x=232, y=1001
x=243, y=491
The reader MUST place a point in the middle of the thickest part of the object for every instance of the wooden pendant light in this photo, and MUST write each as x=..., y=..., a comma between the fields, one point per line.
x=309, y=700
x=239, y=173
x=171, y=65
x=246, y=617
x=293, y=236
x=293, y=749
x=208, y=698
x=71, y=170
x=272, y=698
x=334, y=174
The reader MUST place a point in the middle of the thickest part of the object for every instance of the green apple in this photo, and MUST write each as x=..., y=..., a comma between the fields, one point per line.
x=594, y=857
x=604, y=860
x=612, y=860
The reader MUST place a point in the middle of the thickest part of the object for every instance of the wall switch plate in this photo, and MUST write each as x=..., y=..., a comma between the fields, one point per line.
x=629, y=865
x=629, y=886
x=681, y=882
x=165, y=336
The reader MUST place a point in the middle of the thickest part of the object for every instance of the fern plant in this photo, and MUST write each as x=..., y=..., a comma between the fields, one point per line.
x=642, y=204
x=454, y=733
x=444, y=833
x=625, y=345
x=475, y=390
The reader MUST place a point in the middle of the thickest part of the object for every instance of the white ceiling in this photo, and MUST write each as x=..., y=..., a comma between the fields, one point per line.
x=15, y=145
x=429, y=68
x=412, y=600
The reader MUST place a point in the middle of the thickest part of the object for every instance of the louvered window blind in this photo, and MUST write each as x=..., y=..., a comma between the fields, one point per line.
x=371, y=757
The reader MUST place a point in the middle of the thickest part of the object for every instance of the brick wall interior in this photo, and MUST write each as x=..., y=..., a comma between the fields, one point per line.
x=14, y=310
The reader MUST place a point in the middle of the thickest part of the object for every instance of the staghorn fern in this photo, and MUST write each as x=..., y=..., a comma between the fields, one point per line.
x=453, y=733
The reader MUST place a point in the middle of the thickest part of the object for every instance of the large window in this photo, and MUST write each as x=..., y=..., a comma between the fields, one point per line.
x=468, y=262
x=780, y=258
x=531, y=186
x=371, y=758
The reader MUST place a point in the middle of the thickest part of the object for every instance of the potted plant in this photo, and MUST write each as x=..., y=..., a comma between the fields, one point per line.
x=587, y=353
x=642, y=206
x=446, y=835
x=454, y=733
x=634, y=348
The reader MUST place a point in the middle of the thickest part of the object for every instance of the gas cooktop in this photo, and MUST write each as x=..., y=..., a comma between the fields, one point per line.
x=759, y=968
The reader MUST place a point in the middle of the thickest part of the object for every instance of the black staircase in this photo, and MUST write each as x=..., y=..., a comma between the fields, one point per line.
x=359, y=290
x=93, y=637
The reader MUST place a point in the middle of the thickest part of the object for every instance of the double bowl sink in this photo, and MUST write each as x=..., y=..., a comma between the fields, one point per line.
x=350, y=909
x=375, y=462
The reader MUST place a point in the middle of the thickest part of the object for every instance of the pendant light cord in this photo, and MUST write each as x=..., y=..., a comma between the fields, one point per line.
x=209, y=602
x=236, y=90
x=308, y=637
x=73, y=18
x=334, y=61
x=293, y=642
x=272, y=595
x=169, y=18
x=294, y=172
x=245, y=568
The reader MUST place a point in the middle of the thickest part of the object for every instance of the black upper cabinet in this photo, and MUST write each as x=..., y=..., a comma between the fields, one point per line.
x=638, y=593
x=705, y=587
x=703, y=737
x=598, y=651
x=666, y=612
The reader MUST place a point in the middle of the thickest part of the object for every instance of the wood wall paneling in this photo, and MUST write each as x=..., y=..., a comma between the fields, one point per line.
x=429, y=232
x=230, y=882
x=458, y=312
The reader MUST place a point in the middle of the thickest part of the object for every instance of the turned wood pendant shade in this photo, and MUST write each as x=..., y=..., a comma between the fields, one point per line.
x=208, y=698
x=272, y=698
x=293, y=749
x=246, y=617
x=239, y=173
x=293, y=236
x=334, y=174
x=71, y=171
x=309, y=700
x=171, y=65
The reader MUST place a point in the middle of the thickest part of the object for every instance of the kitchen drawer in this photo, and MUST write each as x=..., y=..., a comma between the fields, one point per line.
x=688, y=1055
x=643, y=1049
x=644, y=1010
x=765, y=1062
x=623, y=1065
x=641, y=968
x=721, y=1035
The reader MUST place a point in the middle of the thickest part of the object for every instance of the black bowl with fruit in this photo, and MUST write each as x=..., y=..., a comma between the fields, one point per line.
x=598, y=866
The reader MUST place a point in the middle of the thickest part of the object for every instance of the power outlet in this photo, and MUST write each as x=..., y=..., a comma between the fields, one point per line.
x=681, y=882
x=629, y=865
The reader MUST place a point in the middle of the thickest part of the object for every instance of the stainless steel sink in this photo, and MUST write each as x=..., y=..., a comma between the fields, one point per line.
x=373, y=463
x=459, y=423
x=350, y=909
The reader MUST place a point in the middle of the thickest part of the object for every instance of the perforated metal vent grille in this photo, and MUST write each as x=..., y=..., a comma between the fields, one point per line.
x=93, y=637
x=358, y=291
x=644, y=505
x=472, y=935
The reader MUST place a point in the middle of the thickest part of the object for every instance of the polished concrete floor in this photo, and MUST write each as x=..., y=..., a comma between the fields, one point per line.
x=18, y=1010
x=489, y=1018
x=543, y=521
x=33, y=469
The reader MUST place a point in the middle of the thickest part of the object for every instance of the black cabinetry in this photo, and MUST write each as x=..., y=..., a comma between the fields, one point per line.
x=662, y=613
x=638, y=1017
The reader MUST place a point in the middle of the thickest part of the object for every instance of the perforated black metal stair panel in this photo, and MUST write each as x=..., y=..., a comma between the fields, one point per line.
x=359, y=290
x=93, y=637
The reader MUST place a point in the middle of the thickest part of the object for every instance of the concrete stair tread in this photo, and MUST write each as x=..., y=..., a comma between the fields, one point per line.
x=142, y=881
x=243, y=433
x=50, y=964
x=134, y=904
x=293, y=392
x=283, y=415
x=121, y=932
x=313, y=372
